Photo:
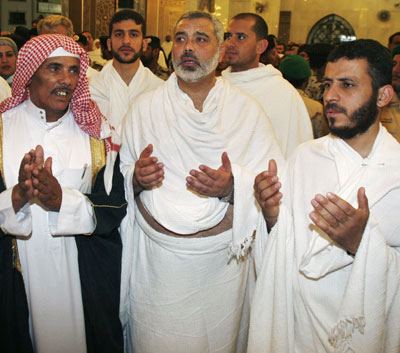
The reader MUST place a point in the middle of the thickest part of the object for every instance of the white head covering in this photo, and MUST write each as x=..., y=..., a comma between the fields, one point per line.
x=60, y=51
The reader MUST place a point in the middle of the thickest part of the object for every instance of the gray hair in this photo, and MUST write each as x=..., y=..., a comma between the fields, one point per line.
x=47, y=24
x=10, y=43
x=218, y=28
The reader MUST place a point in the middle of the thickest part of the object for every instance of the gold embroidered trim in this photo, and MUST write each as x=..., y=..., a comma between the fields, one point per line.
x=98, y=150
x=94, y=213
x=14, y=246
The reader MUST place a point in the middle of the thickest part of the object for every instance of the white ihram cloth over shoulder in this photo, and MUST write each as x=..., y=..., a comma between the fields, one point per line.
x=192, y=292
x=114, y=97
x=310, y=295
x=280, y=101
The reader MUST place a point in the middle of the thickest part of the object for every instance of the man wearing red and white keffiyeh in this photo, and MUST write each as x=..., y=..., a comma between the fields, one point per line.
x=86, y=112
x=59, y=215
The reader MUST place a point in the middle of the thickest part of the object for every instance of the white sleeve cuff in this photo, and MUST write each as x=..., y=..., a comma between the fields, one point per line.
x=76, y=215
x=19, y=223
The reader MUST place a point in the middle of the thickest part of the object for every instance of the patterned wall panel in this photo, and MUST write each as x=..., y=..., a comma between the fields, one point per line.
x=104, y=11
x=169, y=13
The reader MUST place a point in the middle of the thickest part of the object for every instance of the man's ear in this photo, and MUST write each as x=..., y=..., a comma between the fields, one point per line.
x=109, y=44
x=385, y=95
x=145, y=44
x=262, y=46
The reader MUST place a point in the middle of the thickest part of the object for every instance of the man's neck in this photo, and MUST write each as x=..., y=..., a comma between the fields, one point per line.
x=198, y=91
x=362, y=143
x=246, y=67
x=126, y=71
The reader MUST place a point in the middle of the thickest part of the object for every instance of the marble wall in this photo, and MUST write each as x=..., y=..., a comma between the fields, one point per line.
x=361, y=14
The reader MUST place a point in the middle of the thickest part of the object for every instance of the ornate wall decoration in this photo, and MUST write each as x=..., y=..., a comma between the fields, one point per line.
x=331, y=29
x=169, y=12
x=105, y=9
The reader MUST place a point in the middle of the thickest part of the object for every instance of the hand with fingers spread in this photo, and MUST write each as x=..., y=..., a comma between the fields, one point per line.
x=23, y=191
x=212, y=182
x=342, y=222
x=266, y=189
x=46, y=187
x=148, y=172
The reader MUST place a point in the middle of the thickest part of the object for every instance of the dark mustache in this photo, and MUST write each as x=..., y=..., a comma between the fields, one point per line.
x=231, y=50
x=335, y=107
x=61, y=88
x=189, y=56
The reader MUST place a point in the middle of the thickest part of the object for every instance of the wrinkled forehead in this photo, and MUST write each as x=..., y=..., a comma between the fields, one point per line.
x=59, y=61
x=190, y=26
x=344, y=68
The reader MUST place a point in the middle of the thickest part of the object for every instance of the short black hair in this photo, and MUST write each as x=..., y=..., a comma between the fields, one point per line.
x=260, y=27
x=380, y=63
x=281, y=43
x=271, y=44
x=103, y=41
x=392, y=37
x=80, y=38
x=318, y=54
x=304, y=48
x=153, y=42
x=124, y=15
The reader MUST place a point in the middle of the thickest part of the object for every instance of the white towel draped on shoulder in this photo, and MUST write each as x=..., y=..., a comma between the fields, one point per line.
x=280, y=101
x=114, y=97
x=183, y=138
x=363, y=299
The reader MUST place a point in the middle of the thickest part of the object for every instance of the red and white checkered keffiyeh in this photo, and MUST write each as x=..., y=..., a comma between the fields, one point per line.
x=86, y=112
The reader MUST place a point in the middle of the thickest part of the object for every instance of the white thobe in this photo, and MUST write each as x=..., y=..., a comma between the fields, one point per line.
x=185, y=295
x=47, y=249
x=5, y=89
x=280, y=101
x=90, y=73
x=311, y=296
x=114, y=97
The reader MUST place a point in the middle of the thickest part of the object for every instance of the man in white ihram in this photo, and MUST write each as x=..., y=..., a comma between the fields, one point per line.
x=124, y=78
x=194, y=208
x=330, y=274
x=246, y=41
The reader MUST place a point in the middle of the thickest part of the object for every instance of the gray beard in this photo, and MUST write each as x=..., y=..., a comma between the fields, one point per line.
x=195, y=74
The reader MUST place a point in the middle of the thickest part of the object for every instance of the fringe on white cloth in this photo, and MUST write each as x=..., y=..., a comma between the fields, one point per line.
x=370, y=298
x=182, y=139
x=342, y=334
